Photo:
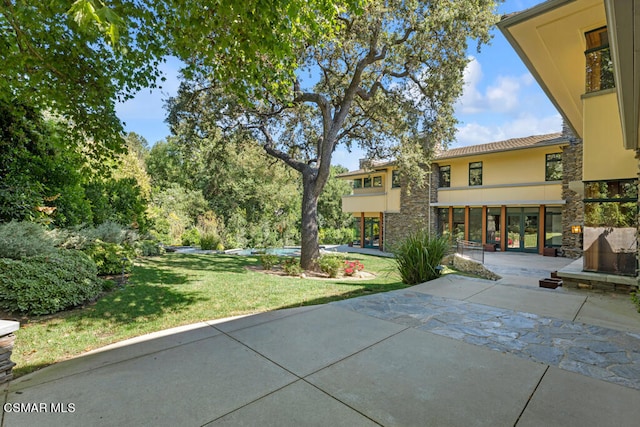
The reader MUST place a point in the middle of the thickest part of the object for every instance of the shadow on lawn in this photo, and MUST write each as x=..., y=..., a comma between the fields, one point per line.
x=202, y=262
x=141, y=302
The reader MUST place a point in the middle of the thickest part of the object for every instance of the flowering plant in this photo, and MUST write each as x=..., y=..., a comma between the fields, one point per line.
x=351, y=267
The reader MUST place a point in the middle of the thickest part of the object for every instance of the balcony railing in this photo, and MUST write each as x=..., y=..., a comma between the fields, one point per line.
x=599, y=70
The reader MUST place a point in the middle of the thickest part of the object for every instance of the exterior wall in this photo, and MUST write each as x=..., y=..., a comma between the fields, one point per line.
x=373, y=199
x=605, y=157
x=572, y=193
x=537, y=193
x=415, y=212
x=507, y=167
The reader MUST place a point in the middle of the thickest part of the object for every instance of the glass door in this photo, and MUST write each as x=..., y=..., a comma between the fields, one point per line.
x=514, y=222
x=530, y=237
x=522, y=231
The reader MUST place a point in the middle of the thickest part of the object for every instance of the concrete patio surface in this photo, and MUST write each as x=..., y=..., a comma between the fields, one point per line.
x=455, y=351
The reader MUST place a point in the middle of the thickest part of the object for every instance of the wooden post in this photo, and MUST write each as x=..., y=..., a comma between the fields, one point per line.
x=466, y=223
x=484, y=225
x=450, y=220
x=504, y=235
x=362, y=229
x=541, y=226
x=381, y=232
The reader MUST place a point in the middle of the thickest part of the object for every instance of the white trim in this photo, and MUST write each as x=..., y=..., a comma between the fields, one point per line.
x=508, y=203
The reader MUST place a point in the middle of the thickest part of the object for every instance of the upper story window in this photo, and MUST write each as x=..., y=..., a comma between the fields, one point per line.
x=395, y=179
x=445, y=176
x=599, y=65
x=475, y=173
x=377, y=181
x=367, y=182
x=553, y=167
x=357, y=183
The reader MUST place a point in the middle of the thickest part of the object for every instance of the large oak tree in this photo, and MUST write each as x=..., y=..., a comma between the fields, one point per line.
x=386, y=80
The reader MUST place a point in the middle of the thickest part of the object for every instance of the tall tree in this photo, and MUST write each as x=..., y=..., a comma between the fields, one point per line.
x=387, y=79
x=79, y=58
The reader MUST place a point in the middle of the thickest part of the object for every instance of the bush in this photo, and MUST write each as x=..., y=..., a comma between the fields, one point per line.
x=418, y=255
x=24, y=239
x=191, y=237
x=149, y=248
x=336, y=236
x=331, y=264
x=291, y=266
x=268, y=261
x=44, y=284
x=112, y=232
x=110, y=257
x=211, y=242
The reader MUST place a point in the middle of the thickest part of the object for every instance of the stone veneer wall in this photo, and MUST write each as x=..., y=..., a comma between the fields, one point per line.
x=572, y=193
x=414, y=210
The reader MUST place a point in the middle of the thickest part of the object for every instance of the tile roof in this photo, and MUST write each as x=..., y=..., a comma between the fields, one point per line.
x=508, y=145
x=492, y=147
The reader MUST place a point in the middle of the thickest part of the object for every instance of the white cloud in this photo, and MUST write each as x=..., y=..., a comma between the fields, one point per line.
x=524, y=125
x=502, y=96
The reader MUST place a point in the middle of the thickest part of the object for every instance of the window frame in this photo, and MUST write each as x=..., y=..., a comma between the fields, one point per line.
x=547, y=161
x=473, y=167
x=376, y=181
x=442, y=182
x=395, y=178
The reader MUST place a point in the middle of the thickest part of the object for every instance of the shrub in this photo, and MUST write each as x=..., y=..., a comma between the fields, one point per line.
x=112, y=232
x=25, y=239
x=191, y=237
x=210, y=242
x=331, y=264
x=44, y=284
x=336, y=236
x=148, y=248
x=268, y=261
x=111, y=258
x=291, y=266
x=418, y=255
x=352, y=267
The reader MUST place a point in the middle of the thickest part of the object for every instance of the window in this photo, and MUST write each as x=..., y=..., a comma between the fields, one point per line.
x=443, y=221
x=357, y=183
x=553, y=167
x=553, y=227
x=445, y=176
x=458, y=223
x=395, y=179
x=475, y=224
x=475, y=173
x=609, y=234
x=377, y=181
x=599, y=68
x=367, y=182
x=493, y=225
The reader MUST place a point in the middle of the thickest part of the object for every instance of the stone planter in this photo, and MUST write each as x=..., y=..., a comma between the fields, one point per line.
x=550, y=283
x=7, y=328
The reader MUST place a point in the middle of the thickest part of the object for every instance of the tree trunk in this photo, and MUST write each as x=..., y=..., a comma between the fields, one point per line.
x=310, y=251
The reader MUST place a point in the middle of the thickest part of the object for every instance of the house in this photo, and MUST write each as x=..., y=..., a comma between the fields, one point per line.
x=376, y=194
x=506, y=195
x=576, y=191
x=584, y=55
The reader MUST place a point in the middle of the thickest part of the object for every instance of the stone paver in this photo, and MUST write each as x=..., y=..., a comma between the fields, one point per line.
x=594, y=351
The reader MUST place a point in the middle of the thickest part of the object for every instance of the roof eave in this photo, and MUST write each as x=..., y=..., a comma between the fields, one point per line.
x=623, y=18
x=525, y=15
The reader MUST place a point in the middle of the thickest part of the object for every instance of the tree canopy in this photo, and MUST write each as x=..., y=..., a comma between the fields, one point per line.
x=78, y=59
x=386, y=81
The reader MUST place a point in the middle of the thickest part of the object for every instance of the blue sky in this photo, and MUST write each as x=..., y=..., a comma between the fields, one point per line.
x=501, y=99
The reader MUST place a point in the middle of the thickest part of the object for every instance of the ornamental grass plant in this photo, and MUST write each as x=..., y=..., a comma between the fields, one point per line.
x=418, y=256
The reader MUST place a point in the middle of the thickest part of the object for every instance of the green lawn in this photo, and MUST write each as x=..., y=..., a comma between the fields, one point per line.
x=179, y=289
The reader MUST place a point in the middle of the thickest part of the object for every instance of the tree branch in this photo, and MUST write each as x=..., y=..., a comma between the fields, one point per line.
x=269, y=147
